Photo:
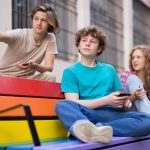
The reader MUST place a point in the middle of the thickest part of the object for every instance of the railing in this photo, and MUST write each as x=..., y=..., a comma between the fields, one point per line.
x=30, y=120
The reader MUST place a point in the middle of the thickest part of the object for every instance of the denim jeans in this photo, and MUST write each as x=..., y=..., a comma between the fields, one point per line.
x=123, y=123
x=142, y=105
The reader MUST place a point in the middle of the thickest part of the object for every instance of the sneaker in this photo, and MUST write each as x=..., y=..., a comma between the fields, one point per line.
x=88, y=132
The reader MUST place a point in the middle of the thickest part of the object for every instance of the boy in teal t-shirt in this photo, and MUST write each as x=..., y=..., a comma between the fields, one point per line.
x=91, y=84
x=92, y=111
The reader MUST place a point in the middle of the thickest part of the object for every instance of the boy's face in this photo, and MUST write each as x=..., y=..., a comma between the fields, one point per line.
x=39, y=22
x=89, y=46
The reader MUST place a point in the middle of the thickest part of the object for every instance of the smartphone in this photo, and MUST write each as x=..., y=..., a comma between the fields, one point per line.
x=124, y=94
x=25, y=64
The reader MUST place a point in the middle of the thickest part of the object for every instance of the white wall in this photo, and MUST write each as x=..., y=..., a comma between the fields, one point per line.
x=128, y=30
x=83, y=19
x=83, y=13
x=6, y=20
x=59, y=67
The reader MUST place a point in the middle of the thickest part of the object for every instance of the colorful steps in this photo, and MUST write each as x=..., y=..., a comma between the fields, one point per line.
x=41, y=96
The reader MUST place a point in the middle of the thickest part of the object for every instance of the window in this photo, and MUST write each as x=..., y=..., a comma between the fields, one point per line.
x=141, y=24
x=108, y=15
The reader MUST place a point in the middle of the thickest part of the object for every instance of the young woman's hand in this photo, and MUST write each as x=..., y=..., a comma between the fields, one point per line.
x=139, y=93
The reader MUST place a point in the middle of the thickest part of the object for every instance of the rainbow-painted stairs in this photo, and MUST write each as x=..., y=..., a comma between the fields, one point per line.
x=41, y=96
x=33, y=124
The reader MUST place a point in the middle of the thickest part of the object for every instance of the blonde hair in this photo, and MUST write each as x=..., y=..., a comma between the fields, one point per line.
x=146, y=51
x=52, y=18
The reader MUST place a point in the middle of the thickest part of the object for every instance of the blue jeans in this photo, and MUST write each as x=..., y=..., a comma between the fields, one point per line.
x=142, y=105
x=123, y=123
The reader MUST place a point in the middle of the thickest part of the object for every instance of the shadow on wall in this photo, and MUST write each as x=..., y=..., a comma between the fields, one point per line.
x=59, y=67
x=2, y=48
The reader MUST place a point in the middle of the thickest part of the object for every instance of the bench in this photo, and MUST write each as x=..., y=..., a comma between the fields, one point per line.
x=41, y=97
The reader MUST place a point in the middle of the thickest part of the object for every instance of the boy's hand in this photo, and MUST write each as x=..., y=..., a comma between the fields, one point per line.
x=127, y=104
x=115, y=100
x=22, y=66
x=28, y=65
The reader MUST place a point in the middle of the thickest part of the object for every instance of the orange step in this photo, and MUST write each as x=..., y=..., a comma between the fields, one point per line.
x=39, y=106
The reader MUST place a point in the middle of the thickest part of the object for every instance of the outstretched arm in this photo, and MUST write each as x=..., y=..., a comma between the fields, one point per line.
x=4, y=37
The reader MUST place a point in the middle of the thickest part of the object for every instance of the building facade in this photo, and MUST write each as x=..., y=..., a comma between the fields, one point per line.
x=122, y=20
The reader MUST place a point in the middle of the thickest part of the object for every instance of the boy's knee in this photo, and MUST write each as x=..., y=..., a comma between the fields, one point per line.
x=59, y=106
x=62, y=105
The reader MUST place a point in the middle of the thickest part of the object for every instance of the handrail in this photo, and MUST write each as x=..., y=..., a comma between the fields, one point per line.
x=30, y=120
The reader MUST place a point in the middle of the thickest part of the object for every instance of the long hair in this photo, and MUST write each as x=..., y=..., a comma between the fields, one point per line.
x=146, y=51
x=51, y=16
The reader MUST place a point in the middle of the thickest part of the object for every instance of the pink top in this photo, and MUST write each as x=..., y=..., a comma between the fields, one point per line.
x=123, y=78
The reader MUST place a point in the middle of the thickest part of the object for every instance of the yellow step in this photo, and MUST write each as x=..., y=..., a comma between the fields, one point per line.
x=17, y=131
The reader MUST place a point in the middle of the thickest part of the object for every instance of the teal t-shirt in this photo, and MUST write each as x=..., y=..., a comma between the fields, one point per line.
x=90, y=83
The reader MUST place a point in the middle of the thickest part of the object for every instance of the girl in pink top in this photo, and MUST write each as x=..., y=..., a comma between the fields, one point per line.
x=137, y=81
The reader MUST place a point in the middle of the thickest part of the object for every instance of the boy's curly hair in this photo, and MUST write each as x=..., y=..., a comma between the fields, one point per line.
x=94, y=32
